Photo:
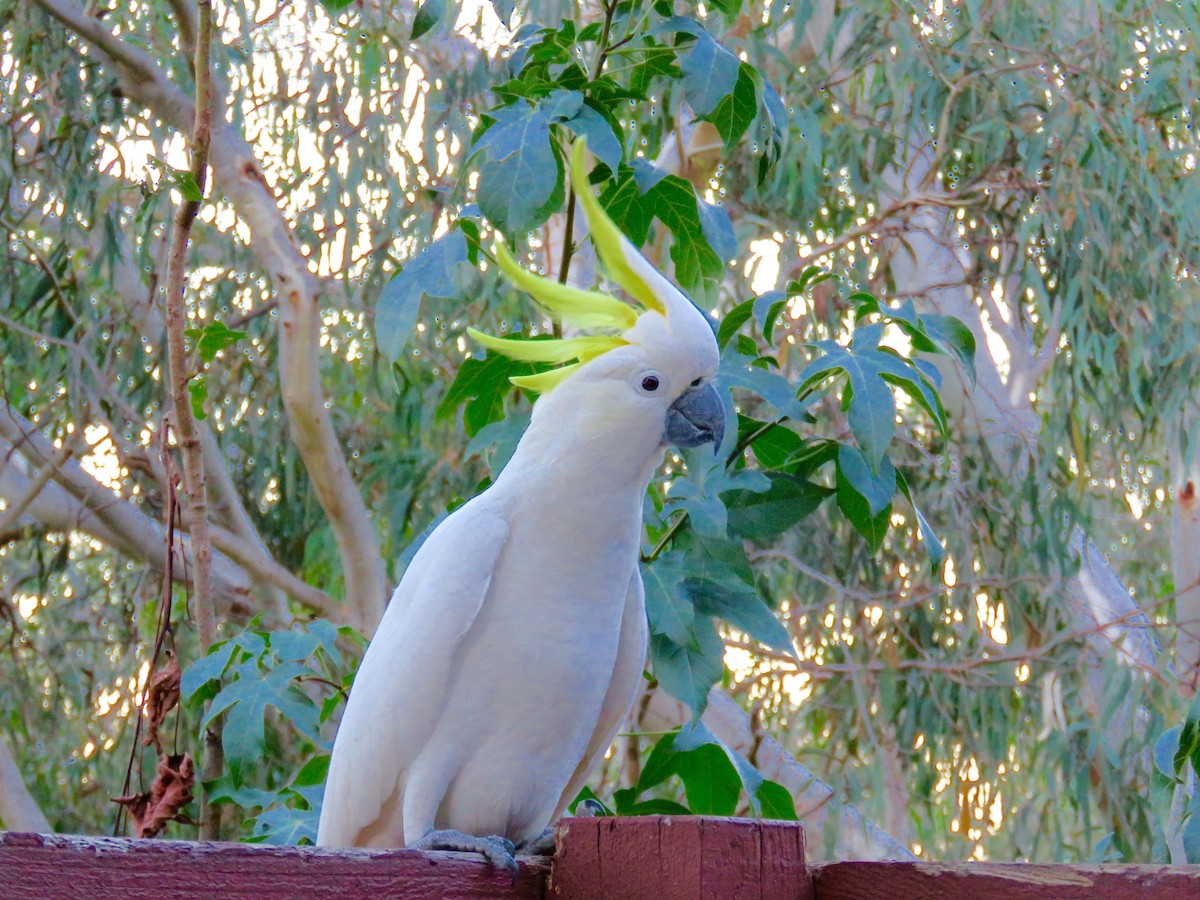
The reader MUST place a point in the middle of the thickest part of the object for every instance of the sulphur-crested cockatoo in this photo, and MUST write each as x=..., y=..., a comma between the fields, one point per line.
x=513, y=647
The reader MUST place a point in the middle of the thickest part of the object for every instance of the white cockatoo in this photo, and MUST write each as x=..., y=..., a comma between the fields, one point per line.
x=513, y=647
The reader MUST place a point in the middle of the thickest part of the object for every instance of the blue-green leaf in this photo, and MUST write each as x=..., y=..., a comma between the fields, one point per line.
x=877, y=488
x=668, y=610
x=430, y=13
x=520, y=176
x=440, y=271
x=688, y=673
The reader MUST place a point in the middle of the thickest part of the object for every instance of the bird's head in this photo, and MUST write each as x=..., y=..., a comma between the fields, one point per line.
x=646, y=369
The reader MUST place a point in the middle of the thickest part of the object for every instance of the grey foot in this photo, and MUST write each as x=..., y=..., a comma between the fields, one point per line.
x=497, y=850
x=542, y=845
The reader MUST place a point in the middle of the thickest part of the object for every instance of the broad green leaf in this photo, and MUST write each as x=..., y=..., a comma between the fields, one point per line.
x=520, y=174
x=668, y=610
x=734, y=320
x=687, y=673
x=439, y=271
x=877, y=488
x=212, y=339
x=760, y=516
x=742, y=608
x=198, y=394
x=718, y=229
x=602, y=141
x=206, y=669
x=427, y=17
x=499, y=440
x=854, y=506
x=710, y=73
x=696, y=734
x=776, y=802
x=733, y=115
x=482, y=384
x=711, y=782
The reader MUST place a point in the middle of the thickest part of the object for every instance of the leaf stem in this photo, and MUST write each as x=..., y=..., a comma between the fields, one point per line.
x=598, y=67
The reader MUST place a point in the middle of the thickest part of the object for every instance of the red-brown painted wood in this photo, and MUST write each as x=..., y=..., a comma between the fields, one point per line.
x=49, y=867
x=1003, y=881
x=679, y=858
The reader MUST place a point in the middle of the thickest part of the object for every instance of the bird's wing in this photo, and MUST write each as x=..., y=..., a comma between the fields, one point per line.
x=400, y=688
x=622, y=688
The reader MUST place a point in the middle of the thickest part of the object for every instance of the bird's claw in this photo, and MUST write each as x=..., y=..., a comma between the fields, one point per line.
x=496, y=849
x=542, y=845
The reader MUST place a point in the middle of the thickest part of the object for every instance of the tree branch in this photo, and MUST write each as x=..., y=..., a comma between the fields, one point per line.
x=18, y=810
x=75, y=501
x=237, y=175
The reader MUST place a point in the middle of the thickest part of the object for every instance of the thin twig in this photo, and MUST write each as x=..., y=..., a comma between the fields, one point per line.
x=195, y=503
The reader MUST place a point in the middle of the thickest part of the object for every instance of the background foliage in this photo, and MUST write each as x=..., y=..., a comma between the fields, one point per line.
x=1026, y=168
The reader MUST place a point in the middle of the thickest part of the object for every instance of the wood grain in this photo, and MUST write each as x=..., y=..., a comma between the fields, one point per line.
x=679, y=858
x=48, y=867
x=1003, y=881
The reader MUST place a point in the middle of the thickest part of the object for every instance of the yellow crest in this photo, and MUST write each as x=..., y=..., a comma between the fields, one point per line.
x=573, y=306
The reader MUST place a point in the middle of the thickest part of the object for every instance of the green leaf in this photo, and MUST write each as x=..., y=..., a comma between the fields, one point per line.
x=710, y=74
x=718, y=229
x=734, y=320
x=760, y=516
x=1189, y=745
x=953, y=335
x=499, y=440
x=212, y=339
x=776, y=802
x=198, y=391
x=244, y=702
x=766, y=311
x=439, y=271
x=602, y=140
x=877, y=488
x=710, y=780
x=206, y=669
x=774, y=446
x=1165, y=749
x=481, y=384
x=687, y=673
x=668, y=610
x=855, y=507
x=736, y=111
x=697, y=266
x=520, y=174
x=696, y=735
x=742, y=608
x=430, y=13
x=872, y=406
x=933, y=546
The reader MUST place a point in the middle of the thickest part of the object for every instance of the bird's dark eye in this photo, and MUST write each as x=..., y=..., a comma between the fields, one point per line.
x=696, y=383
x=650, y=383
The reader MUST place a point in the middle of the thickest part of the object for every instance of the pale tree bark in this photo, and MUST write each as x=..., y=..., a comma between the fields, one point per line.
x=18, y=810
x=74, y=501
x=927, y=262
x=236, y=173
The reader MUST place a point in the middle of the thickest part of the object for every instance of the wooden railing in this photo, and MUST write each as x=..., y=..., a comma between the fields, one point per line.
x=656, y=858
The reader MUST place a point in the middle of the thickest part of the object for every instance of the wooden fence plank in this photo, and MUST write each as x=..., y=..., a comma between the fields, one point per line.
x=48, y=867
x=1003, y=881
x=679, y=858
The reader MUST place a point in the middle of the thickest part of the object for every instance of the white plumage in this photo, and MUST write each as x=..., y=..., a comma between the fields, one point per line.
x=513, y=647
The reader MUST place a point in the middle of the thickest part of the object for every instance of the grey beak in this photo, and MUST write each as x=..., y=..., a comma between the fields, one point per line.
x=696, y=418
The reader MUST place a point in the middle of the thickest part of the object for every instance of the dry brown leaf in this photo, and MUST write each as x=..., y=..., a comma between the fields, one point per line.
x=161, y=697
x=172, y=791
